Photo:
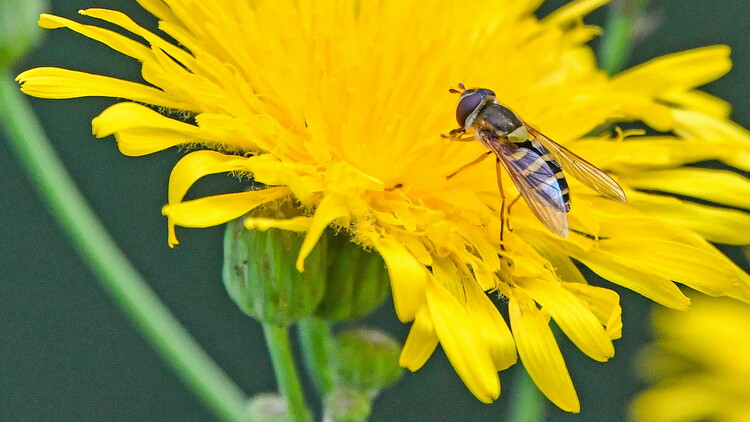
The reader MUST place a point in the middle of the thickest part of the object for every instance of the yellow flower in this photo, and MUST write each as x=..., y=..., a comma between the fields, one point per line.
x=339, y=106
x=698, y=364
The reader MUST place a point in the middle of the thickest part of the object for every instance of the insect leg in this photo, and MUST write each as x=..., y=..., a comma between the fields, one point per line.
x=457, y=135
x=513, y=202
x=464, y=167
x=499, y=171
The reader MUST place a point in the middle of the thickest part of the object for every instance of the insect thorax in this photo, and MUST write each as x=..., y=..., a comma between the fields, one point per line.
x=501, y=120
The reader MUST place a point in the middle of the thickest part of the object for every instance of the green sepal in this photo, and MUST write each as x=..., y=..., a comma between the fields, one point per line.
x=260, y=276
x=366, y=360
x=357, y=281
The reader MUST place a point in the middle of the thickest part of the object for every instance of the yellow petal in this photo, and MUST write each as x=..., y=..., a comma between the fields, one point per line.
x=564, y=267
x=741, y=291
x=197, y=164
x=492, y=327
x=295, y=224
x=140, y=130
x=56, y=83
x=700, y=102
x=417, y=248
x=719, y=186
x=696, y=125
x=239, y=135
x=201, y=163
x=573, y=11
x=691, y=124
x=302, y=179
x=486, y=278
x=643, y=282
x=541, y=355
x=682, y=401
x=114, y=40
x=639, y=280
x=709, y=321
x=572, y=316
x=157, y=8
x=463, y=344
x=122, y=20
x=718, y=225
x=642, y=107
x=477, y=237
x=219, y=209
x=654, y=151
x=408, y=276
x=701, y=269
x=421, y=341
x=330, y=208
x=604, y=303
x=348, y=179
x=695, y=68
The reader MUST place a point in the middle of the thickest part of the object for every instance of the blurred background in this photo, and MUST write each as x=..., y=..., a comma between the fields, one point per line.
x=68, y=354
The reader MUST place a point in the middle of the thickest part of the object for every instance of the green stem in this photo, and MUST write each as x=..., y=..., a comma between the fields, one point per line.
x=528, y=403
x=616, y=44
x=315, y=338
x=115, y=273
x=277, y=338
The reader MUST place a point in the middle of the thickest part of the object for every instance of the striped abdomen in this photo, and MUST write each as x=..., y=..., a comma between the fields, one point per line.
x=531, y=157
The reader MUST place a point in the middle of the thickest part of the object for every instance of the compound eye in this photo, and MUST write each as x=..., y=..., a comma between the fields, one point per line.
x=486, y=92
x=468, y=103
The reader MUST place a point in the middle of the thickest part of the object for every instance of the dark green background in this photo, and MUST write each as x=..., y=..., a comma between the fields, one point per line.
x=68, y=354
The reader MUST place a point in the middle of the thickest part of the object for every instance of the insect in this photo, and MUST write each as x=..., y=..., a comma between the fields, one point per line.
x=535, y=163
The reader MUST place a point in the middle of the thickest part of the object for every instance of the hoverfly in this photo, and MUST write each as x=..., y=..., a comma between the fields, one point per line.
x=534, y=162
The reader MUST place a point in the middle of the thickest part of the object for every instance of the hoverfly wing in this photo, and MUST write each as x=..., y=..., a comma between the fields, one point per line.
x=581, y=169
x=537, y=183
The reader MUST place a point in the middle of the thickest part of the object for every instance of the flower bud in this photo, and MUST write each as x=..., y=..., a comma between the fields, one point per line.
x=366, y=360
x=261, y=278
x=346, y=405
x=268, y=407
x=18, y=29
x=357, y=281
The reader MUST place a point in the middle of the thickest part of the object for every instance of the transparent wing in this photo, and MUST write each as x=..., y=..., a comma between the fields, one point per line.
x=581, y=169
x=537, y=184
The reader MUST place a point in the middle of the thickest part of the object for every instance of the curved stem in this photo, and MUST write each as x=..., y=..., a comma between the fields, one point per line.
x=115, y=273
x=280, y=350
x=315, y=338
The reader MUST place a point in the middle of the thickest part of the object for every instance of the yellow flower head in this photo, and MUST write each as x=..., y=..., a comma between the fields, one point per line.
x=339, y=106
x=698, y=365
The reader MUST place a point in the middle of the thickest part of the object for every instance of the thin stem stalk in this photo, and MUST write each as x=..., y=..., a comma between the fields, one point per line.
x=118, y=277
x=315, y=338
x=277, y=339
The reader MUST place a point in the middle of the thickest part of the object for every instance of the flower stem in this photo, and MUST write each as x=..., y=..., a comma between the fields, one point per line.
x=115, y=273
x=277, y=338
x=315, y=338
x=528, y=404
x=616, y=44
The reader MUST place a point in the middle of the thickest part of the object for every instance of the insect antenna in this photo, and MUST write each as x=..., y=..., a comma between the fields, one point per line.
x=460, y=90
